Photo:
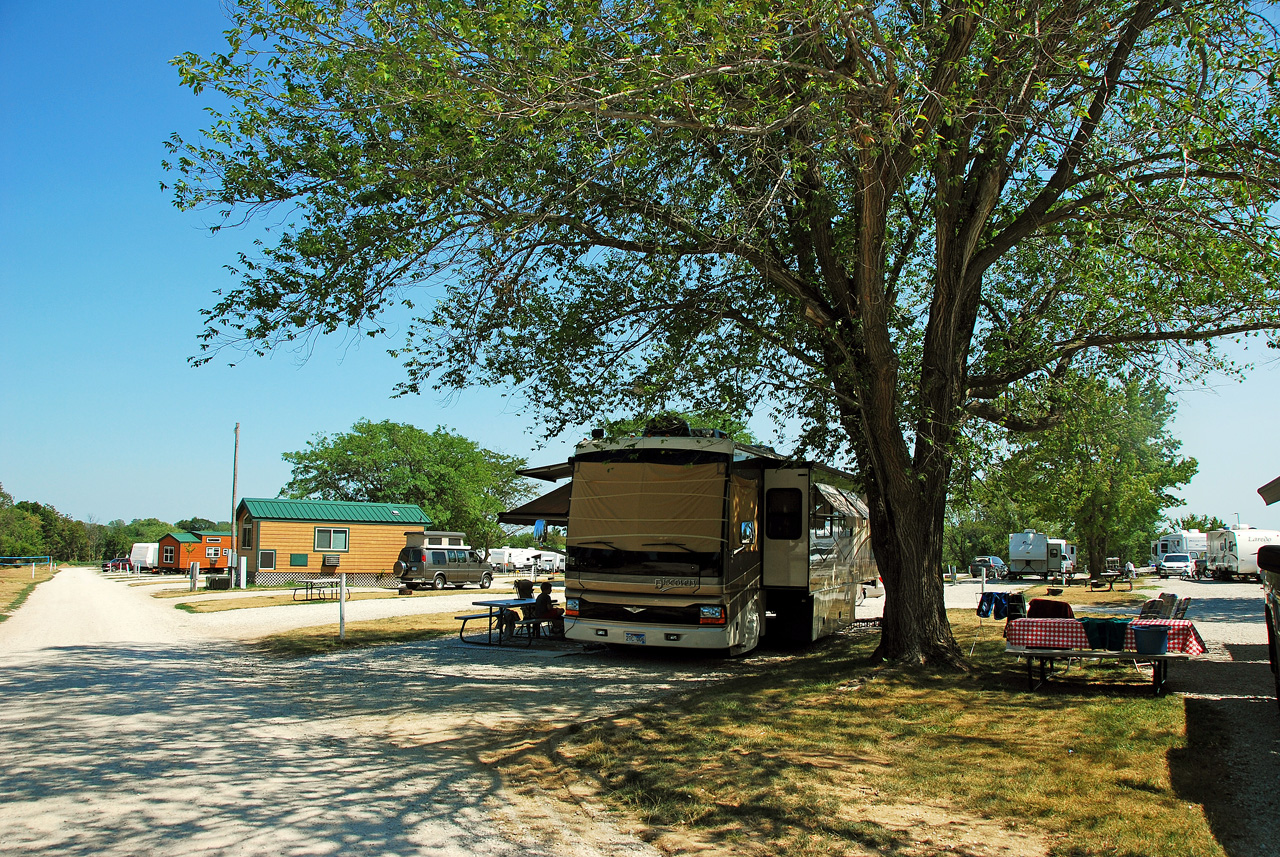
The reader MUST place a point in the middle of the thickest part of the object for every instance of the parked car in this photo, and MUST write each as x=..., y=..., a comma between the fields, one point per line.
x=1176, y=564
x=120, y=563
x=993, y=566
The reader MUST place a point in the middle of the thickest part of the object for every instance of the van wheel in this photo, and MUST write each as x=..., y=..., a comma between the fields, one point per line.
x=486, y=580
x=439, y=582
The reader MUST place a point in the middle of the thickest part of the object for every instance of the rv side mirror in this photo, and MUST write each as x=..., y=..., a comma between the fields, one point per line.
x=747, y=533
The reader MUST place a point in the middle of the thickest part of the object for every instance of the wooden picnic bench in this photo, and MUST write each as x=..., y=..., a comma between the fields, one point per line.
x=1110, y=579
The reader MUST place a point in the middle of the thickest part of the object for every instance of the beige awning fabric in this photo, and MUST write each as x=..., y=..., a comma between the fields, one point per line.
x=844, y=502
x=552, y=507
x=549, y=472
x=1270, y=492
x=641, y=506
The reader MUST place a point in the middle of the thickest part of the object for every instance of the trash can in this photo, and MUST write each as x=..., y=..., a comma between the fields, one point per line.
x=1151, y=639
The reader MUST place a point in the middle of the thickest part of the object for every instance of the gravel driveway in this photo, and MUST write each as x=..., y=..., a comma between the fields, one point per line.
x=128, y=727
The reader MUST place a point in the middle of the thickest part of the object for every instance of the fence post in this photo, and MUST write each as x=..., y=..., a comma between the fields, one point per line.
x=244, y=572
x=342, y=605
x=195, y=573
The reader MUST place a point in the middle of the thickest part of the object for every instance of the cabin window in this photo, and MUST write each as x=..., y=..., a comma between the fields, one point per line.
x=213, y=540
x=246, y=536
x=784, y=513
x=212, y=553
x=266, y=560
x=167, y=554
x=331, y=538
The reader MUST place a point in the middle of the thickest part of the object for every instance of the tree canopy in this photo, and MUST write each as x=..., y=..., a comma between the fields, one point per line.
x=459, y=485
x=881, y=221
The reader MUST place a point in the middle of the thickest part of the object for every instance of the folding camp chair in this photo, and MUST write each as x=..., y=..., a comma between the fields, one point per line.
x=1153, y=609
x=1180, y=611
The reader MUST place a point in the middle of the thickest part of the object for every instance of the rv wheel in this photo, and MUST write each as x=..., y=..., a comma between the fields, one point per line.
x=439, y=582
x=752, y=623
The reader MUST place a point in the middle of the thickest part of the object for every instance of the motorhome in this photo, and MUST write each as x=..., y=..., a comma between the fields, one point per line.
x=1191, y=542
x=1033, y=554
x=507, y=560
x=683, y=538
x=1234, y=552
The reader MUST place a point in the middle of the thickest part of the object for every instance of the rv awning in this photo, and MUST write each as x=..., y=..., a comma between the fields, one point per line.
x=844, y=502
x=549, y=472
x=552, y=507
x=1270, y=492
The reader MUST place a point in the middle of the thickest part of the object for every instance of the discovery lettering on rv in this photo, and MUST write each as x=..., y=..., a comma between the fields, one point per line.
x=662, y=584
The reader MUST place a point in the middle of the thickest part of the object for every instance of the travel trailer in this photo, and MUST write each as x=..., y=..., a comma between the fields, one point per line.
x=145, y=556
x=1234, y=552
x=1191, y=542
x=683, y=538
x=1033, y=554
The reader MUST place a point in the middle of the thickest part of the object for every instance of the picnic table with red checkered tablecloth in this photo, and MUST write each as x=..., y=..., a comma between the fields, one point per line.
x=1046, y=634
x=1183, y=636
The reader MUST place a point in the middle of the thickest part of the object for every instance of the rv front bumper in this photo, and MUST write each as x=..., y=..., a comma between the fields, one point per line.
x=664, y=636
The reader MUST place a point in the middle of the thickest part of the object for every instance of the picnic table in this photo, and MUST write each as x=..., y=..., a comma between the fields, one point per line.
x=318, y=589
x=1110, y=578
x=494, y=608
x=1047, y=640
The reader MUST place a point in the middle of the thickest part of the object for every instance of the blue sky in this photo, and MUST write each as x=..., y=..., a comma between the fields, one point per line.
x=102, y=281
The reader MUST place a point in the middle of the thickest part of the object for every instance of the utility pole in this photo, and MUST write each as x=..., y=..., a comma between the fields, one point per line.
x=235, y=526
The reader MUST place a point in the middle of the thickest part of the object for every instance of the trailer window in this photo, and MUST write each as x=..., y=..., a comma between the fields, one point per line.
x=439, y=558
x=784, y=513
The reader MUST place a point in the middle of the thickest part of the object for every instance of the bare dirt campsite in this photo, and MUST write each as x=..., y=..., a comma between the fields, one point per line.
x=131, y=727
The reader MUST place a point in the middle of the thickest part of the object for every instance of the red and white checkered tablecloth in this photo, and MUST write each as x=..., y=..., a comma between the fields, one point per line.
x=1183, y=636
x=1046, y=634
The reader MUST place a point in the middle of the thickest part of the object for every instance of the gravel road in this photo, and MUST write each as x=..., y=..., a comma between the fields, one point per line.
x=129, y=727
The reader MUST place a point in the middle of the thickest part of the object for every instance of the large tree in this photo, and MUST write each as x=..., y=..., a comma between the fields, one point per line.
x=456, y=482
x=873, y=218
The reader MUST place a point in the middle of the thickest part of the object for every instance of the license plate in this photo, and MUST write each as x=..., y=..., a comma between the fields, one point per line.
x=635, y=637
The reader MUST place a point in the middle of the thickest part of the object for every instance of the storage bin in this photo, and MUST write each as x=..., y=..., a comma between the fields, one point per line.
x=1151, y=639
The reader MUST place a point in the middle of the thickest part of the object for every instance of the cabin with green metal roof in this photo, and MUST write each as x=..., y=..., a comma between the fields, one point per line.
x=285, y=540
x=211, y=549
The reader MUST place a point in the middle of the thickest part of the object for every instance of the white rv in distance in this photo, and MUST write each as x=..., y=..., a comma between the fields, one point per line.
x=145, y=556
x=1033, y=554
x=1234, y=552
x=1191, y=542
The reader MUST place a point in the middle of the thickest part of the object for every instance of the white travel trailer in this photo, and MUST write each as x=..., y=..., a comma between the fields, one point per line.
x=1035, y=554
x=145, y=556
x=1234, y=552
x=510, y=560
x=1191, y=542
x=683, y=538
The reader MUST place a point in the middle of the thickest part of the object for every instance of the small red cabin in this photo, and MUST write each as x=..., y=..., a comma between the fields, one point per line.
x=210, y=548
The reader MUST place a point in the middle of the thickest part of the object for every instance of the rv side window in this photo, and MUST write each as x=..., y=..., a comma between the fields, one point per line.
x=439, y=558
x=784, y=513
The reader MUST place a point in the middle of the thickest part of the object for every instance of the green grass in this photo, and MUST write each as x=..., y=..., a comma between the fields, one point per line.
x=816, y=757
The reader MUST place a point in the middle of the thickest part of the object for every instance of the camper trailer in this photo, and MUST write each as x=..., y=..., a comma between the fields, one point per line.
x=1033, y=554
x=1234, y=552
x=1191, y=542
x=145, y=556
x=686, y=539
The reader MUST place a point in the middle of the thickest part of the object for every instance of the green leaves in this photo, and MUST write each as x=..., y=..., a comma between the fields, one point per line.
x=458, y=484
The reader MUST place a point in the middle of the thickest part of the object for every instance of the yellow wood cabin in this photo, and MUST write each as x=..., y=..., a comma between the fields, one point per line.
x=287, y=540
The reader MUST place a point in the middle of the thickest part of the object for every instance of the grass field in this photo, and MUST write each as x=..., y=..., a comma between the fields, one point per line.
x=322, y=639
x=826, y=753
x=16, y=583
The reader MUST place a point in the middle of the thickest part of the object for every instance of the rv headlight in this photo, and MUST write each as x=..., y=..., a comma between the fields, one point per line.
x=711, y=614
x=571, y=607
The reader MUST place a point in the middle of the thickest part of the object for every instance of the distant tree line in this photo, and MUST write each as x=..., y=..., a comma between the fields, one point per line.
x=28, y=528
